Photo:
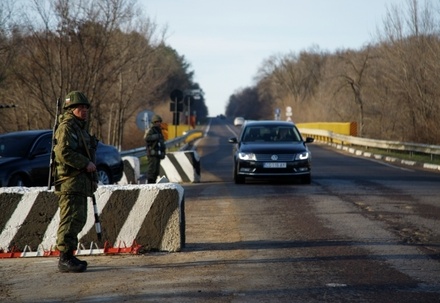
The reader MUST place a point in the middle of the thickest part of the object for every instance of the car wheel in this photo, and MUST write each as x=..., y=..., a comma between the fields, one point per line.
x=104, y=176
x=17, y=180
x=237, y=178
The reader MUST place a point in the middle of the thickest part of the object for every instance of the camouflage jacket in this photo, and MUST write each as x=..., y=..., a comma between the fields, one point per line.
x=155, y=142
x=71, y=156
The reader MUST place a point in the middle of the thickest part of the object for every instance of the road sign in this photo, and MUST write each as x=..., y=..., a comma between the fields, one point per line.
x=277, y=114
x=143, y=119
x=176, y=95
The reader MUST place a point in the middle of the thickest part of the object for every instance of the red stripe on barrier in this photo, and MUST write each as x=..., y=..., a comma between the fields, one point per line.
x=14, y=253
x=10, y=255
x=133, y=249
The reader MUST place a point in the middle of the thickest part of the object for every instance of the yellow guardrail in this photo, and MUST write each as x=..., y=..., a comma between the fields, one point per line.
x=332, y=138
x=343, y=128
x=193, y=135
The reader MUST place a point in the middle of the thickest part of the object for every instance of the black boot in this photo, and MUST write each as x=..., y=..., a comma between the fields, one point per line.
x=68, y=263
x=79, y=261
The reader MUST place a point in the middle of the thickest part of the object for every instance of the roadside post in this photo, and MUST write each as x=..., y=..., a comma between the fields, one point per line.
x=176, y=106
x=288, y=113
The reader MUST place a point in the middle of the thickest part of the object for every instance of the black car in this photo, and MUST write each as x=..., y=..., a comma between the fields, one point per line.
x=268, y=149
x=25, y=158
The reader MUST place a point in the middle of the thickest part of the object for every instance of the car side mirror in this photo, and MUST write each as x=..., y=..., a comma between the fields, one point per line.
x=232, y=140
x=310, y=140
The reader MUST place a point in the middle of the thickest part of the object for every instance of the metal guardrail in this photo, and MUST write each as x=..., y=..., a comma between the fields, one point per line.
x=178, y=141
x=318, y=134
x=330, y=137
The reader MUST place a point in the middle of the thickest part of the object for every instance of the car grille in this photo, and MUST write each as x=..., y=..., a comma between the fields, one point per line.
x=281, y=157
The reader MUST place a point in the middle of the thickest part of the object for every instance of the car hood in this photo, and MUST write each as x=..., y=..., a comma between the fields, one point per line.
x=280, y=148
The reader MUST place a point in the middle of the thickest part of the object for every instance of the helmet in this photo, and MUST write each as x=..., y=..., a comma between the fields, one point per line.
x=156, y=118
x=74, y=99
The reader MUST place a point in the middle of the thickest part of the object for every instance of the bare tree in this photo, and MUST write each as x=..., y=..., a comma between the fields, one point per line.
x=353, y=76
x=100, y=47
x=270, y=86
x=8, y=43
x=410, y=45
x=292, y=79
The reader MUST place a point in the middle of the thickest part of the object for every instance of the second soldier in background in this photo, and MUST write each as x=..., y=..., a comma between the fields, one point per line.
x=156, y=149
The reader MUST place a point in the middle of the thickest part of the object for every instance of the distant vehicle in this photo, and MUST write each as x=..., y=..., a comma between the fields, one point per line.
x=271, y=149
x=239, y=121
x=25, y=158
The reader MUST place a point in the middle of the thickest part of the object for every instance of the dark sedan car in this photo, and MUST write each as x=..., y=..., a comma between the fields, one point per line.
x=269, y=149
x=25, y=158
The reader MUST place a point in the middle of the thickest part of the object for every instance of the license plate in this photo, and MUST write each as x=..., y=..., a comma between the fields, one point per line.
x=275, y=165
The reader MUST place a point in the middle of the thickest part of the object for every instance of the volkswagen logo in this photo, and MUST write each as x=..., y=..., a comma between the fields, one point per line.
x=274, y=157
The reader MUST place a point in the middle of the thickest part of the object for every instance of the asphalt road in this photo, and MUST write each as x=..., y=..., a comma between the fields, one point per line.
x=363, y=231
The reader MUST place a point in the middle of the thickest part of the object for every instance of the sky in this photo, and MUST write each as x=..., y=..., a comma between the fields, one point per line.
x=227, y=41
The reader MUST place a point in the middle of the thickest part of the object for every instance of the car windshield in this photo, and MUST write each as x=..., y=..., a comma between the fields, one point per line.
x=270, y=134
x=15, y=146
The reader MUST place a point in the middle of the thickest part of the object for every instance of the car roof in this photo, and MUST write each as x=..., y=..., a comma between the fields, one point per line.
x=268, y=123
x=27, y=133
x=36, y=133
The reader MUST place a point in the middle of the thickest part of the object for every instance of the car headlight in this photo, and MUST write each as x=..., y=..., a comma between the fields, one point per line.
x=247, y=156
x=302, y=156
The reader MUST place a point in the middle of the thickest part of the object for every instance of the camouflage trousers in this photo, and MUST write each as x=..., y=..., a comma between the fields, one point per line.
x=73, y=217
x=153, y=169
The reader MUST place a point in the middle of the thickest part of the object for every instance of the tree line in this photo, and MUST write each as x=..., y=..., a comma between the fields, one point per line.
x=390, y=87
x=106, y=48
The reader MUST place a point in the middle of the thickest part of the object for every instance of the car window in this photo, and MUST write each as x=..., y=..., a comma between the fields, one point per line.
x=287, y=134
x=268, y=134
x=271, y=133
x=43, y=146
x=252, y=134
x=11, y=146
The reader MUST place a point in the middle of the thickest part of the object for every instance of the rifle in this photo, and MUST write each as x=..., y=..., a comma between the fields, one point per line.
x=97, y=223
x=95, y=207
x=52, y=153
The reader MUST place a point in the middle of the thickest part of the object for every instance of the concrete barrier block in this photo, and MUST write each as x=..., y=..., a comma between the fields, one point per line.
x=131, y=170
x=150, y=215
x=178, y=167
x=181, y=167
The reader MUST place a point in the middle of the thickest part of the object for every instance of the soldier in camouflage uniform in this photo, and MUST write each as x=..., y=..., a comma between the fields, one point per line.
x=155, y=148
x=75, y=177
